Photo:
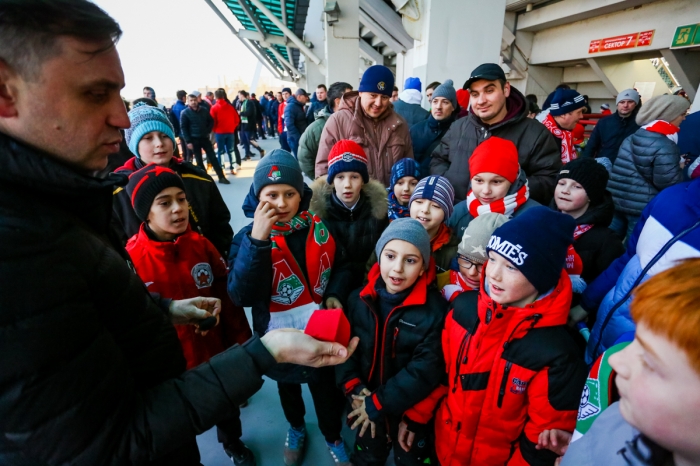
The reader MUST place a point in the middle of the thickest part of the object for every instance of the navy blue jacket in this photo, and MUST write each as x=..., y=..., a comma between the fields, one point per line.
x=426, y=135
x=314, y=108
x=608, y=134
x=272, y=110
x=175, y=113
x=412, y=113
x=264, y=103
x=689, y=135
x=295, y=118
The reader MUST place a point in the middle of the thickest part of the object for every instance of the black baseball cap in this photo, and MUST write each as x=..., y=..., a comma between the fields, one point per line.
x=301, y=91
x=286, y=89
x=488, y=71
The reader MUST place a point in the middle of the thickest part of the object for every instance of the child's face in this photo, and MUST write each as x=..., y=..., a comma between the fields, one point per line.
x=348, y=186
x=403, y=189
x=570, y=197
x=156, y=147
x=506, y=284
x=283, y=198
x=400, y=265
x=169, y=215
x=489, y=187
x=660, y=391
x=429, y=214
x=470, y=272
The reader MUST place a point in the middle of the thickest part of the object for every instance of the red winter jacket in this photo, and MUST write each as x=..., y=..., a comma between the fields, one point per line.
x=511, y=373
x=226, y=118
x=280, y=117
x=185, y=268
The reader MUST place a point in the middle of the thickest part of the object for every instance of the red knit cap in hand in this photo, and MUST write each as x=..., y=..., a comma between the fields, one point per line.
x=329, y=325
x=347, y=156
x=495, y=155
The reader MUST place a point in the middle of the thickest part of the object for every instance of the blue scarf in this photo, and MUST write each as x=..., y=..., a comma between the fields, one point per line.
x=397, y=210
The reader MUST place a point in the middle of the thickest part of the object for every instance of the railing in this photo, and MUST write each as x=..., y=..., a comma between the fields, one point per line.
x=589, y=121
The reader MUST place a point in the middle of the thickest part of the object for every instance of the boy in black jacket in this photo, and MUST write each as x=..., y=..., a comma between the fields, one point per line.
x=399, y=319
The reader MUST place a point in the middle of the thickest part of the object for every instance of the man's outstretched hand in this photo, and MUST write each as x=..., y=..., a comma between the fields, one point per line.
x=192, y=311
x=294, y=346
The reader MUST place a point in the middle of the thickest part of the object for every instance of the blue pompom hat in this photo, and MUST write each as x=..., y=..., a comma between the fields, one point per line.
x=145, y=119
x=377, y=79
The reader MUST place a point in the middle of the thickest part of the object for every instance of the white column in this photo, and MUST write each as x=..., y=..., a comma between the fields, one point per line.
x=458, y=36
x=313, y=32
x=342, y=44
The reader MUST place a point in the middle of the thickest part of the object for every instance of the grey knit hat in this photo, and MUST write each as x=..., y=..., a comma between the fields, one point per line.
x=409, y=230
x=628, y=94
x=477, y=235
x=662, y=107
x=280, y=167
x=446, y=90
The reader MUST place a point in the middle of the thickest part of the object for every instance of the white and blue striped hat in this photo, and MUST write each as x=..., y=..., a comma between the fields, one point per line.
x=565, y=101
x=437, y=189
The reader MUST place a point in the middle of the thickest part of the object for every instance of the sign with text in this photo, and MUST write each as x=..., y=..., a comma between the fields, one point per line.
x=686, y=36
x=627, y=41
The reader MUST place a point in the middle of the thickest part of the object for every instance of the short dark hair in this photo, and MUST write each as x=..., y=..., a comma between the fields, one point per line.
x=29, y=29
x=209, y=93
x=220, y=94
x=531, y=98
x=396, y=88
x=562, y=86
x=243, y=93
x=337, y=90
x=191, y=96
x=433, y=85
x=322, y=86
x=253, y=95
x=181, y=95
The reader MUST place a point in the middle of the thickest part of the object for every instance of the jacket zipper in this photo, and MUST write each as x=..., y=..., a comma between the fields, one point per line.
x=376, y=337
x=459, y=360
x=393, y=345
x=504, y=381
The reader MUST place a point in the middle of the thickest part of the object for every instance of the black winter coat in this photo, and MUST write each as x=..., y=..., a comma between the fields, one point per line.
x=358, y=230
x=295, y=118
x=250, y=113
x=608, y=134
x=403, y=352
x=646, y=164
x=92, y=369
x=425, y=136
x=538, y=152
x=196, y=124
x=208, y=212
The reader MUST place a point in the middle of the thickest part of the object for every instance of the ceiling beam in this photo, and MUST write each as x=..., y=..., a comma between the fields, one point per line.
x=251, y=16
x=381, y=34
x=370, y=53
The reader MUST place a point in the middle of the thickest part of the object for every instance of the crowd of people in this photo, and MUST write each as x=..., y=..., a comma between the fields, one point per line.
x=516, y=293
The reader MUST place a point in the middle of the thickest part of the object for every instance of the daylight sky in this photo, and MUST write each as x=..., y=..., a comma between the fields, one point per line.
x=177, y=44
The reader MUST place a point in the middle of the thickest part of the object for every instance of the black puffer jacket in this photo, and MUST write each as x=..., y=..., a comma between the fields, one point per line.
x=646, y=164
x=399, y=358
x=425, y=136
x=608, y=134
x=538, y=152
x=196, y=124
x=92, y=369
x=358, y=230
x=208, y=212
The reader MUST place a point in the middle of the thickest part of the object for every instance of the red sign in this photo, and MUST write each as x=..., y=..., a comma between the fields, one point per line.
x=628, y=41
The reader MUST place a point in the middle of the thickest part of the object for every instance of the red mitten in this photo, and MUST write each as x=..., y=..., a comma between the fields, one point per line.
x=329, y=325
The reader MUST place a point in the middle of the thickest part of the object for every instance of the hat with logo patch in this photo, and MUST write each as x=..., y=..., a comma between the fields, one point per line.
x=487, y=71
x=566, y=101
x=280, y=167
x=347, y=156
x=536, y=242
x=377, y=79
x=145, y=184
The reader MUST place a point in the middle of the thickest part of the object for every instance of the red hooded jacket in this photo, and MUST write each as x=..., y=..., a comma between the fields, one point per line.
x=226, y=118
x=511, y=373
x=185, y=268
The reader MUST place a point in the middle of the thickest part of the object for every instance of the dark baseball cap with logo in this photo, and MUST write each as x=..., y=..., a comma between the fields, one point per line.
x=487, y=71
x=301, y=91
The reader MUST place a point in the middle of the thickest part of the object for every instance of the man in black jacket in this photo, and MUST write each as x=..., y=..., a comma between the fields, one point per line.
x=609, y=132
x=92, y=369
x=196, y=124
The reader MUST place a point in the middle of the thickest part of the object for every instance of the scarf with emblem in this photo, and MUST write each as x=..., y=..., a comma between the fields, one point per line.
x=506, y=206
x=568, y=151
x=293, y=299
x=663, y=127
x=574, y=264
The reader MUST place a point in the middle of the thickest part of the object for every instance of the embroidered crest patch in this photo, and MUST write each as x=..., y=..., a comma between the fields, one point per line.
x=519, y=386
x=381, y=85
x=274, y=173
x=203, y=275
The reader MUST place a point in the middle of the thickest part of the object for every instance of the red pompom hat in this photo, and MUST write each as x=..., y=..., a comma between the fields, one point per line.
x=347, y=156
x=495, y=155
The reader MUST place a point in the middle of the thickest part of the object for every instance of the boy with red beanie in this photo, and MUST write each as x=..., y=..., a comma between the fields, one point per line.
x=512, y=369
x=498, y=184
x=179, y=263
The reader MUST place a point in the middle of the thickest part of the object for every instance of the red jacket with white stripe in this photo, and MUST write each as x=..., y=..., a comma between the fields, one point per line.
x=185, y=268
x=511, y=373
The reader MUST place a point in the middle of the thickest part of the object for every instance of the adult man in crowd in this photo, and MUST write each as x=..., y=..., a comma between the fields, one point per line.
x=248, y=125
x=174, y=116
x=259, y=131
x=295, y=120
x=308, y=144
x=264, y=104
x=286, y=94
x=196, y=124
x=426, y=135
x=395, y=94
x=200, y=101
x=226, y=122
x=93, y=371
x=368, y=117
x=317, y=105
x=565, y=111
x=430, y=89
x=609, y=132
x=150, y=93
x=272, y=109
x=408, y=105
x=497, y=109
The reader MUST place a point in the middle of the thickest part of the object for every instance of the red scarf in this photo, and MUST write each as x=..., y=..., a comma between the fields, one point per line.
x=443, y=237
x=663, y=127
x=568, y=151
x=506, y=206
x=455, y=287
x=293, y=300
x=574, y=264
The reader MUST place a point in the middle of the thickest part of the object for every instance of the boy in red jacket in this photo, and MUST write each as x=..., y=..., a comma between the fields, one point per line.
x=512, y=369
x=176, y=262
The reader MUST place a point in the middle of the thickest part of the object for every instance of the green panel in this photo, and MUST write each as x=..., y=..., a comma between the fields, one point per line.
x=686, y=36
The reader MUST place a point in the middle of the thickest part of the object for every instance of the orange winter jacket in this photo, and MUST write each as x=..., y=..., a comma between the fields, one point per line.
x=511, y=373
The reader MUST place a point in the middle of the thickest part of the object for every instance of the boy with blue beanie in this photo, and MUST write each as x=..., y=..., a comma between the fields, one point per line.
x=151, y=138
x=283, y=265
x=404, y=178
x=398, y=362
x=513, y=370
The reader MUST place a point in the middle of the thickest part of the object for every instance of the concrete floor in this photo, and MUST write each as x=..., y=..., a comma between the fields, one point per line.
x=264, y=425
